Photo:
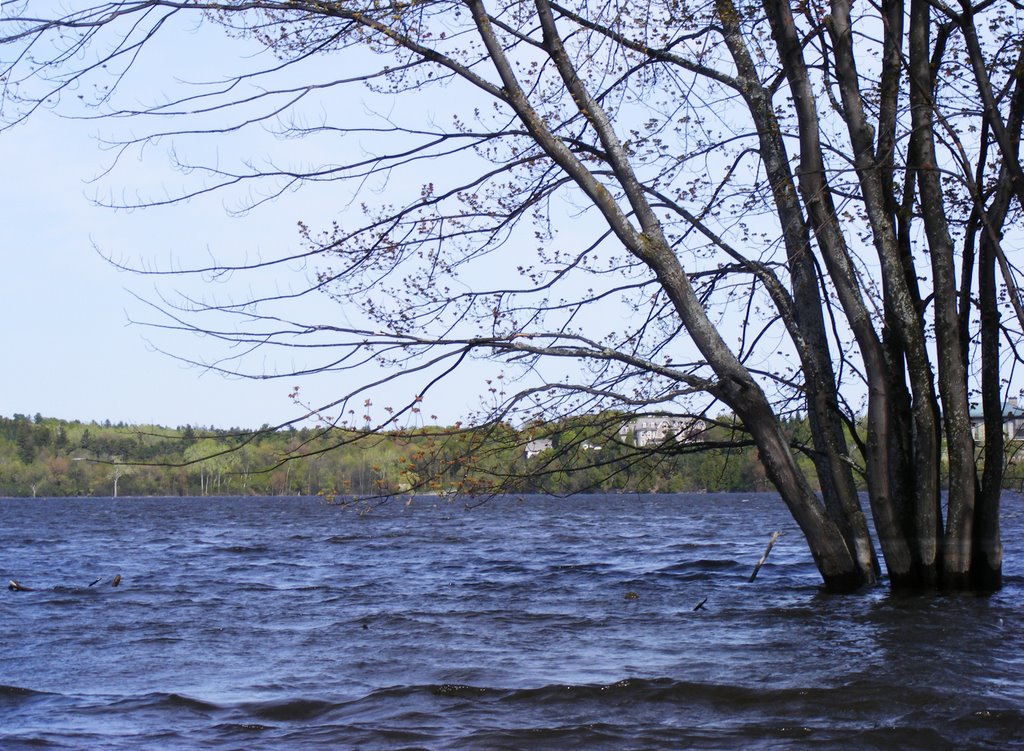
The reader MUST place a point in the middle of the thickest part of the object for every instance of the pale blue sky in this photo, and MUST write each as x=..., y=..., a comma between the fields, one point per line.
x=71, y=351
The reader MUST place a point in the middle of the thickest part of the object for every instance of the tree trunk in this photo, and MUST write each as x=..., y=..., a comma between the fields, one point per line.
x=987, y=558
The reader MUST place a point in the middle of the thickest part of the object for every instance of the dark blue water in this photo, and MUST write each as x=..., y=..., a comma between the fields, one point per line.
x=522, y=624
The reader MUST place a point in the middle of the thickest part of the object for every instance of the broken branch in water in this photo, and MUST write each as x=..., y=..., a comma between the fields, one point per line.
x=764, y=557
x=15, y=586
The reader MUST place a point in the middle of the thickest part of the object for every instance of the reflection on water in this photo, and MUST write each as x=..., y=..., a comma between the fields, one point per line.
x=286, y=623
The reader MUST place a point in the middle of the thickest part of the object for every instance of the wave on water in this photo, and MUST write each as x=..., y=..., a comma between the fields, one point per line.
x=20, y=693
x=344, y=539
x=257, y=549
x=290, y=710
x=152, y=704
x=650, y=713
x=704, y=569
x=188, y=702
x=625, y=690
x=632, y=713
x=844, y=700
x=592, y=623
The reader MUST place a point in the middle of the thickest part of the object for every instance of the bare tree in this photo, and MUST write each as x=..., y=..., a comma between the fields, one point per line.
x=662, y=206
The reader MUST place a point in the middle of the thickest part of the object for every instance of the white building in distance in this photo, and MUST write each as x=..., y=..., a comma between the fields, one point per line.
x=651, y=429
x=1013, y=421
x=538, y=446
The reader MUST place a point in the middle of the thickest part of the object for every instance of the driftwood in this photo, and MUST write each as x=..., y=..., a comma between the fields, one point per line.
x=15, y=586
x=114, y=582
x=764, y=557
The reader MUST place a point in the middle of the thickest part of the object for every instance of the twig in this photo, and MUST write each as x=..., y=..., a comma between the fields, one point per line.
x=764, y=557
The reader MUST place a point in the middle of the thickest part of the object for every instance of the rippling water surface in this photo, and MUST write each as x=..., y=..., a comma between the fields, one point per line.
x=523, y=623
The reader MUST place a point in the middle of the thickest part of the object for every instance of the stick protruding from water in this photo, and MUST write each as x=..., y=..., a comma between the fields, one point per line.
x=767, y=550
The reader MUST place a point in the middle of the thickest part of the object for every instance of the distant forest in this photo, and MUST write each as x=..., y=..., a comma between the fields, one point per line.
x=42, y=457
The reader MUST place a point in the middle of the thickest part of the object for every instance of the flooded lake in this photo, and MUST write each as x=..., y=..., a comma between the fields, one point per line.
x=524, y=623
